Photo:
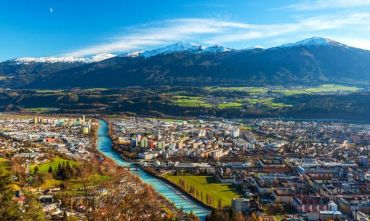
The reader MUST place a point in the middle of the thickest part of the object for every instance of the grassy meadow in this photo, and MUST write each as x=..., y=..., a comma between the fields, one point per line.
x=208, y=185
x=44, y=167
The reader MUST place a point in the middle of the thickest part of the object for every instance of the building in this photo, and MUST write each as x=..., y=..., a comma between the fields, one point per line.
x=160, y=144
x=363, y=161
x=147, y=155
x=85, y=130
x=240, y=205
x=360, y=216
x=332, y=213
x=235, y=133
x=283, y=195
x=310, y=204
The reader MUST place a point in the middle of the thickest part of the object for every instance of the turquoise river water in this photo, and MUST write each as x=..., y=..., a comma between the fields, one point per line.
x=104, y=145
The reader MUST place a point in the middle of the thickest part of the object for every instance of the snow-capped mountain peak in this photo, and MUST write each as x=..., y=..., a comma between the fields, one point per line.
x=183, y=46
x=177, y=47
x=314, y=41
x=66, y=59
x=216, y=49
x=130, y=54
x=101, y=57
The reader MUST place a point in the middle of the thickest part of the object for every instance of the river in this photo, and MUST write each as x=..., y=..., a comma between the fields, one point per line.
x=104, y=145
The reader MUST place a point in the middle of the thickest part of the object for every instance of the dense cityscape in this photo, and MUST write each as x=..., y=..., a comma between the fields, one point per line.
x=258, y=168
x=174, y=110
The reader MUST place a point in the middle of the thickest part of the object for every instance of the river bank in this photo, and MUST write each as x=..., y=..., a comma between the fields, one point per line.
x=122, y=153
x=171, y=209
x=178, y=188
x=172, y=194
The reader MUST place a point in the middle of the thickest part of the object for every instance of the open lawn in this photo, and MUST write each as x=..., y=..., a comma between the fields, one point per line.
x=44, y=167
x=325, y=88
x=48, y=91
x=208, y=185
x=230, y=105
x=268, y=102
x=245, y=127
x=50, y=183
x=190, y=101
x=250, y=90
x=74, y=184
x=40, y=109
x=4, y=163
x=322, y=89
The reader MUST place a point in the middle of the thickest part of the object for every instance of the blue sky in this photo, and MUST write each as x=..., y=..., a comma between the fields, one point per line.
x=84, y=27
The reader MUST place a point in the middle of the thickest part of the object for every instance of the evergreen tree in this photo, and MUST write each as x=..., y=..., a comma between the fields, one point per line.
x=36, y=170
x=50, y=170
x=69, y=172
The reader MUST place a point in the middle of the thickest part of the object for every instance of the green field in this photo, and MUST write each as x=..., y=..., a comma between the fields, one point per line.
x=4, y=163
x=190, y=101
x=50, y=183
x=230, y=105
x=268, y=102
x=73, y=184
x=250, y=90
x=245, y=127
x=48, y=91
x=40, y=109
x=209, y=185
x=96, y=89
x=44, y=167
x=325, y=88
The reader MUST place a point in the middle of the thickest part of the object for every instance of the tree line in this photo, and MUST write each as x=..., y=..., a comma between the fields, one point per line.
x=206, y=198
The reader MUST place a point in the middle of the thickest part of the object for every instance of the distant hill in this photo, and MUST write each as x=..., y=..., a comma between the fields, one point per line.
x=308, y=62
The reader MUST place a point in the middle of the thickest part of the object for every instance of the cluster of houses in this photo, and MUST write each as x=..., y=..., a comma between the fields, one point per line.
x=152, y=138
x=68, y=136
x=318, y=169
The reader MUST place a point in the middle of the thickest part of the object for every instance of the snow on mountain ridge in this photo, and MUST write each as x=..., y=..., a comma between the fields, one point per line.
x=181, y=46
x=169, y=49
x=216, y=49
x=67, y=59
x=184, y=46
x=314, y=41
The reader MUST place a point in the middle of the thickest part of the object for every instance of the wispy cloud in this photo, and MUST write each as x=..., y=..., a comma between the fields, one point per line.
x=160, y=33
x=309, y=25
x=354, y=42
x=213, y=31
x=327, y=4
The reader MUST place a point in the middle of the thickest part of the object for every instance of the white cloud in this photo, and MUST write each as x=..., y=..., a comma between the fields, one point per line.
x=354, y=42
x=328, y=4
x=213, y=31
x=312, y=25
x=161, y=33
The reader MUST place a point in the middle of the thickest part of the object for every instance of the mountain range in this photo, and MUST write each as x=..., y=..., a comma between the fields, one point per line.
x=308, y=62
